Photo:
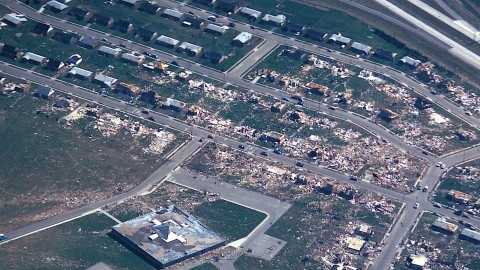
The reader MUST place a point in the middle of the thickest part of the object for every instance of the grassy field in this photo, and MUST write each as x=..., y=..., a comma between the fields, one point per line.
x=310, y=228
x=205, y=266
x=47, y=167
x=230, y=220
x=444, y=252
x=75, y=245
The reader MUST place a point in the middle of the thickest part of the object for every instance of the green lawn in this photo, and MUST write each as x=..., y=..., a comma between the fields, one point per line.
x=75, y=245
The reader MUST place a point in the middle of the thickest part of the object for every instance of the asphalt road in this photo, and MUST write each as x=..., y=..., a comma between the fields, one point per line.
x=156, y=177
x=234, y=79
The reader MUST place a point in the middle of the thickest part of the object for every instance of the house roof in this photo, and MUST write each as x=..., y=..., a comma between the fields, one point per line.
x=63, y=36
x=167, y=40
x=173, y=13
x=361, y=47
x=341, y=39
x=243, y=37
x=14, y=18
x=41, y=28
x=250, y=12
x=80, y=72
x=34, y=57
x=57, y=5
x=471, y=234
x=443, y=224
x=133, y=57
x=277, y=19
x=410, y=61
x=190, y=47
x=43, y=91
x=107, y=80
x=216, y=28
x=109, y=50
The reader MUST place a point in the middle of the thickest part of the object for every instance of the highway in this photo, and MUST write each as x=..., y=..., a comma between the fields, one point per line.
x=234, y=78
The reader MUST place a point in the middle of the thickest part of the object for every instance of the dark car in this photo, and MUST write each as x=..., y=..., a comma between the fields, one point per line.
x=231, y=24
x=3, y=237
x=241, y=146
x=353, y=178
x=263, y=153
x=299, y=164
x=210, y=136
x=144, y=111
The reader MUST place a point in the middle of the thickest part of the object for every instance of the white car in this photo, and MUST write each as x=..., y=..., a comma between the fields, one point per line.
x=416, y=205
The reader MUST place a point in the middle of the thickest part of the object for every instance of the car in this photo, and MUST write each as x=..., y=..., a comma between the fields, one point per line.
x=241, y=146
x=425, y=189
x=231, y=24
x=200, y=140
x=437, y=205
x=277, y=151
x=263, y=153
x=74, y=60
x=174, y=63
x=210, y=136
x=425, y=153
x=149, y=54
x=458, y=212
x=3, y=237
x=299, y=164
x=353, y=178
x=252, y=27
x=416, y=205
x=212, y=18
x=144, y=111
x=151, y=118
x=332, y=108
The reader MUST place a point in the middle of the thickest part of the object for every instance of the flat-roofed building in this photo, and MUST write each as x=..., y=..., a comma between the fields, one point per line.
x=360, y=47
x=355, y=244
x=167, y=236
x=410, y=61
x=14, y=19
x=277, y=20
x=242, y=38
x=418, y=261
x=272, y=136
x=34, y=58
x=133, y=57
x=56, y=6
x=460, y=197
x=215, y=28
x=173, y=14
x=338, y=38
x=190, y=48
x=80, y=73
x=250, y=13
x=105, y=80
x=109, y=50
x=167, y=41
x=470, y=235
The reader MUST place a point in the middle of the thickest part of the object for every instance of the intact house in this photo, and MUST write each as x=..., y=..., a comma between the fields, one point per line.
x=242, y=38
x=56, y=6
x=410, y=61
x=250, y=13
x=173, y=14
x=277, y=20
x=13, y=19
x=167, y=41
x=80, y=73
x=105, y=80
x=362, y=48
x=149, y=8
x=34, y=58
x=133, y=57
x=191, y=49
x=384, y=54
x=339, y=39
x=215, y=29
x=42, y=29
x=109, y=51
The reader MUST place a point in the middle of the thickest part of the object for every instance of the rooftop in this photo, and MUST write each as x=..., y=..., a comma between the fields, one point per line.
x=167, y=236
